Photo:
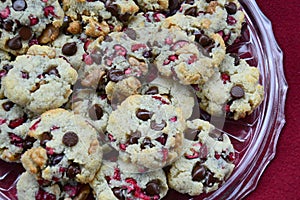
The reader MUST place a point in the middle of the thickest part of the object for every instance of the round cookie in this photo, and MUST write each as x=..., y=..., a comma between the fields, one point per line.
x=219, y=16
x=69, y=148
x=39, y=83
x=29, y=188
x=153, y=5
x=93, y=107
x=14, y=126
x=28, y=22
x=113, y=182
x=207, y=161
x=233, y=91
x=183, y=59
x=147, y=130
x=180, y=96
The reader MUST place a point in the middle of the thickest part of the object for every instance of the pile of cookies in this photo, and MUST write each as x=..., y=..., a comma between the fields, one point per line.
x=104, y=97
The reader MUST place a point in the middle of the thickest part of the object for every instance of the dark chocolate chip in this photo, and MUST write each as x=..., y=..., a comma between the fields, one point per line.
x=143, y=114
x=28, y=143
x=119, y=193
x=152, y=90
x=191, y=134
x=147, y=54
x=55, y=159
x=210, y=180
x=8, y=67
x=95, y=112
x=174, y=5
x=45, y=137
x=146, y=142
x=130, y=33
x=237, y=92
x=208, y=1
x=113, y=9
x=70, y=139
x=15, y=43
x=73, y=170
x=115, y=75
x=25, y=33
x=204, y=40
x=158, y=126
x=236, y=58
x=69, y=49
x=53, y=71
x=124, y=18
x=19, y=5
x=191, y=11
x=191, y=2
x=198, y=172
x=8, y=105
x=231, y=8
x=134, y=137
x=8, y=25
x=42, y=195
x=152, y=188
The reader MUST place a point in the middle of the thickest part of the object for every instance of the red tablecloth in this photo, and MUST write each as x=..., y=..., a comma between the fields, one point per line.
x=281, y=179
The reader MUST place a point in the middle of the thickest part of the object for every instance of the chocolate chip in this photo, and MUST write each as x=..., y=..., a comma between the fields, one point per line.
x=130, y=33
x=69, y=49
x=152, y=188
x=70, y=139
x=236, y=58
x=147, y=54
x=73, y=170
x=113, y=9
x=174, y=5
x=45, y=137
x=8, y=25
x=143, y=114
x=25, y=33
x=191, y=2
x=8, y=67
x=152, y=90
x=231, y=8
x=158, y=126
x=53, y=71
x=237, y=92
x=28, y=143
x=191, y=11
x=8, y=105
x=146, y=142
x=124, y=18
x=210, y=180
x=119, y=193
x=134, y=137
x=208, y=1
x=19, y=5
x=203, y=40
x=95, y=112
x=55, y=159
x=198, y=172
x=15, y=43
x=115, y=75
x=191, y=134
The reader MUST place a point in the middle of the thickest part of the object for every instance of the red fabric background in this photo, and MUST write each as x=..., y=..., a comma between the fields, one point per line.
x=281, y=179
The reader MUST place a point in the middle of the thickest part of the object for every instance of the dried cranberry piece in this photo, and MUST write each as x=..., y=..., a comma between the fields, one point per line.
x=43, y=195
x=5, y=13
x=162, y=139
x=33, y=20
x=25, y=75
x=17, y=122
x=49, y=10
x=15, y=140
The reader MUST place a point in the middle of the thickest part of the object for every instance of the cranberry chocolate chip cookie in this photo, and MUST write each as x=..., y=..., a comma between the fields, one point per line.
x=14, y=126
x=206, y=163
x=24, y=23
x=113, y=183
x=147, y=130
x=29, y=188
x=39, y=83
x=233, y=91
x=68, y=150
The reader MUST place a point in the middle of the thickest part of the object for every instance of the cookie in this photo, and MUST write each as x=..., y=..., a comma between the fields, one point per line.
x=38, y=82
x=69, y=148
x=207, y=161
x=180, y=96
x=114, y=182
x=146, y=19
x=29, y=188
x=222, y=17
x=233, y=91
x=153, y=5
x=28, y=22
x=14, y=125
x=94, y=107
x=183, y=59
x=147, y=130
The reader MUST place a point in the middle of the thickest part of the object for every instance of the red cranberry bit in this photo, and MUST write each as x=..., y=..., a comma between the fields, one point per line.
x=54, y=159
x=71, y=190
x=70, y=139
x=169, y=41
x=8, y=105
x=217, y=155
x=53, y=128
x=44, y=182
x=231, y=20
x=5, y=13
x=87, y=59
x=203, y=152
x=162, y=139
x=161, y=100
x=2, y=121
x=165, y=154
x=43, y=195
x=225, y=77
x=158, y=17
x=33, y=20
x=152, y=188
x=3, y=72
x=173, y=119
x=86, y=44
x=193, y=58
x=49, y=10
x=25, y=75
x=17, y=122
x=73, y=170
x=143, y=114
x=15, y=140
x=50, y=151
x=194, y=154
x=136, y=47
x=33, y=42
x=122, y=147
x=117, y=174
x=120, y=50
x=111, y=137
x=35, y=125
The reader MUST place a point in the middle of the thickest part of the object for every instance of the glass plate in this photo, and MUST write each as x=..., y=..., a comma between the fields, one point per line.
x=254, y=138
